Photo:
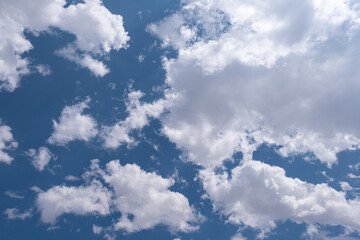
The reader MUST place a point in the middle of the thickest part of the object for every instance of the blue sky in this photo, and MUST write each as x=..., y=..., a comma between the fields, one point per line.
x=193, y=119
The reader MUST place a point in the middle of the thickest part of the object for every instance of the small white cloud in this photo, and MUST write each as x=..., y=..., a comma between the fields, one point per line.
x=52, y=228
x=41, y=158
x=36, y=189
x=345, y=186
x=43, y=69
x=7, y=142
x=73, y=125
x=14, y=213
x=71, y=178
x=14, y=195
x=97, y=67
x=141, y=58
x=139, y=115
x=353, y=176
x=97, y=229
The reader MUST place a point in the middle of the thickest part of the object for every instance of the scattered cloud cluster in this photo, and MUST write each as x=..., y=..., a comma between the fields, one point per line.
x=125, y=189
x=7, y=142
x=247, y=73
x=255, y=72
x=97, y=31
x=73, y=125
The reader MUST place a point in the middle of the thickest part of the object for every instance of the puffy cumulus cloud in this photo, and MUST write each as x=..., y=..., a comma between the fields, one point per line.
x=139, y=115
x=257, y=195
x=126, y=189
x=97, y=31
x=7, y=142
x=146, y=196
x=253, y=72
x=73, y=125
x=14, y=213
x=41, y=158
x=82, y=200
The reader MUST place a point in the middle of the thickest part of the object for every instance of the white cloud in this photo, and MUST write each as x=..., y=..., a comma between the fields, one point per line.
x=12, y=194
x=43, y=69
x=353, y=176
x=132, y=191
x=73, y=125
x=96, y=229
x=139, y=115
x=147, y=197
x=71, y=178
x=345, y=186
x=40, y=158
x=238, y=236
x=14, y=213
x=262, y=72
x=7, y=142
x=96, y=29
x=97, y=67
x=258, y=195
x=141, y=58
x=59, y=200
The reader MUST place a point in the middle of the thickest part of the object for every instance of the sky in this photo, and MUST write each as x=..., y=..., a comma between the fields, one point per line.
x=179, y=119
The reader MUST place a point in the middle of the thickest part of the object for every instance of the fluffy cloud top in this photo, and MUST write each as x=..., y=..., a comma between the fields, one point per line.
x=59, y=200
x=96, y=29
x=73, y=125
x=258, y=195
x=7, y=142
x=253, y=72
x=147, y=197
x=130, y=191
x=41, y=158
x=139, y=116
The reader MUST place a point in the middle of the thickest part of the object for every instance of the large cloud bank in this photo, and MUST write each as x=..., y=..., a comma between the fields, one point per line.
x=253, y=72
x=264, y=72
